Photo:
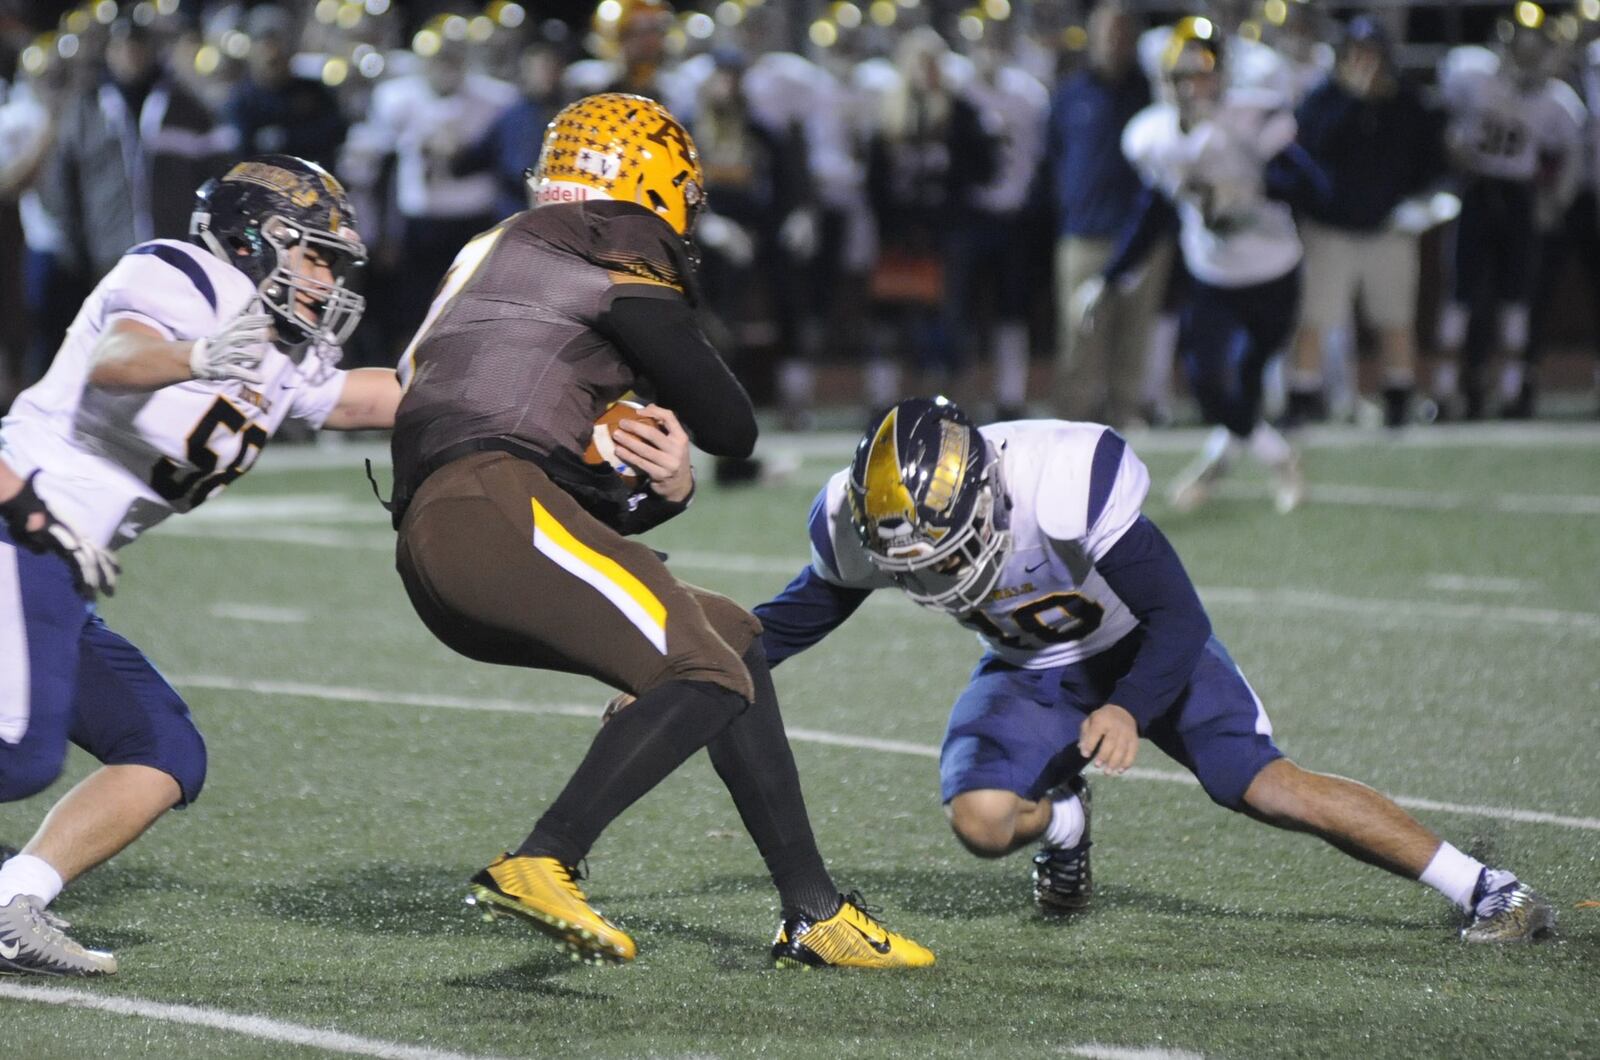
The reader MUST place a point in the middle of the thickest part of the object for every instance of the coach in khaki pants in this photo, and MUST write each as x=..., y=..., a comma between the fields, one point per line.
x=1368, y=129
x=1098, y=376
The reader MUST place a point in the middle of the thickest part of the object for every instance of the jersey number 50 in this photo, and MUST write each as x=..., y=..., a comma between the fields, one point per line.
x=173, y=482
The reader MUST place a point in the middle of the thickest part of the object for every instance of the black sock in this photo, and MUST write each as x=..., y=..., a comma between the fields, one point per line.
x=753, y=759
x=633, y=752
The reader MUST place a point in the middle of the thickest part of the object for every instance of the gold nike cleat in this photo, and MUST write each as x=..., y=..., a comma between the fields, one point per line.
x=850, y=938
x=543, y=892
x=1510, y=913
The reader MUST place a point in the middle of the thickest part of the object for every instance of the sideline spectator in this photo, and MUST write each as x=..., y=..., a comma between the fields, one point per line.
x=425, y=120
x=132, y=153
x=1098, y=375
x=272, y=110
x=511, y=145
x=990, y=245
x=1369, y=131
x=1515, y=133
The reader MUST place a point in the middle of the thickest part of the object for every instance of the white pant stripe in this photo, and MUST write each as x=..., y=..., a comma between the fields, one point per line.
x=653, y=631
x=14, y=676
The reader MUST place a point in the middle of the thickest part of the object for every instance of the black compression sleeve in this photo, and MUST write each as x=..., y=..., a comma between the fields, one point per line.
x=662, y=341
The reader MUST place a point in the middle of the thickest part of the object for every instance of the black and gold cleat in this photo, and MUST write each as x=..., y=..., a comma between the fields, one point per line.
x=544, y=893
x=850, y=938
x=1063, y=880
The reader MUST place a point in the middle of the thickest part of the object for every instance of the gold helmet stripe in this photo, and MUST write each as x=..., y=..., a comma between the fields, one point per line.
x=886, y=493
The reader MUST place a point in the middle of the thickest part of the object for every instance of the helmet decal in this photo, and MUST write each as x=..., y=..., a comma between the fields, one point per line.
x=886, y=498
x=929, y=506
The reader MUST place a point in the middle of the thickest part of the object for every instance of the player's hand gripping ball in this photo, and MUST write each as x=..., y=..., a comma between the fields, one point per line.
x=602, y=450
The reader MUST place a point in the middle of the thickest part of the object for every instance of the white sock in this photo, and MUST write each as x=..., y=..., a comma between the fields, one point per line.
x=1220, y=444
x=26, y=874
x=1453, y=875
x=1065, y=830
x=1511, y=380
x=1269, y=447
x=1446, y=377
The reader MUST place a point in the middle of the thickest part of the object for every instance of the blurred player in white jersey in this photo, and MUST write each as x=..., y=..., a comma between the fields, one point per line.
x=1030, y=534
x=1217, y=168
x=1516, y=135
x=179, y=368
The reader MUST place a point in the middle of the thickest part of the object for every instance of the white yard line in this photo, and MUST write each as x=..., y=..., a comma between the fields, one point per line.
x=249, y=1026
x=1376, y=610
x=1582, y=504
x=281, y=616
x=1096, y=1051
x=272, y=1030
x=591, y=711
x=1471, y=583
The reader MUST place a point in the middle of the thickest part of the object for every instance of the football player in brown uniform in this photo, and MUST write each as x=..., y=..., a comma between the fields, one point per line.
x=513, y=550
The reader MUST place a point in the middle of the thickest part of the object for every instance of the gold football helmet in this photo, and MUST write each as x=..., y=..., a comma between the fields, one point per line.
x=1195, y=47
x=621, y=147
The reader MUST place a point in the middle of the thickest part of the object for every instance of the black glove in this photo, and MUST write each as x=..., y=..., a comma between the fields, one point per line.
x=94, y=570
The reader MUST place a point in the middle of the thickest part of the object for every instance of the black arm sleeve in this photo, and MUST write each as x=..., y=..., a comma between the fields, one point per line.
x=659, y=337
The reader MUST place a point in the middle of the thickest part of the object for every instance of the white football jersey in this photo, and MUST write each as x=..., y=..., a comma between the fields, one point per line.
x=1050, y=606
x=115, y=464
x=1500, y=130
x=1020, y=109
x=1230, y=233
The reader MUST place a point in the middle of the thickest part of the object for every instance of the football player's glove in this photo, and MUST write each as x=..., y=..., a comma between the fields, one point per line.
x=235, y=352
x=94, y=570
x=273, y=218
x=929, y=504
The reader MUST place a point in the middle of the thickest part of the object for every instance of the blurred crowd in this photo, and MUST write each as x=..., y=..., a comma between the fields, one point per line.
x=912, y=188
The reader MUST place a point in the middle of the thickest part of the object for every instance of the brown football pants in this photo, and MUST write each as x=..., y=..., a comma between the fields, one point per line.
x=505, y=567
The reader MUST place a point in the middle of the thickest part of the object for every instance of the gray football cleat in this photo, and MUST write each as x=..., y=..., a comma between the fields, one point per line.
x=35, y=942
x=1506, y=910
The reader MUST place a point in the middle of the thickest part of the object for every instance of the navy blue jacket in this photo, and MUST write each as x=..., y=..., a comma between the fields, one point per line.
x=1096, y=190
x=1375, y=152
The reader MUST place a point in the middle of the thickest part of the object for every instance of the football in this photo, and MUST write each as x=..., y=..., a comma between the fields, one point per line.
x=601, y=452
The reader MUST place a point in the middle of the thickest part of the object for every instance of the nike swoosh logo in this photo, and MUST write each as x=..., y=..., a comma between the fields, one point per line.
x=881, y=945
x=1036, y=566
x=10, y=950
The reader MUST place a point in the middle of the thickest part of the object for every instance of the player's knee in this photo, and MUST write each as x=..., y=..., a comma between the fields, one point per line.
x=712, y=662
x=1275, y=793
x=176, y=749
x=22, y=775
x=984, y=821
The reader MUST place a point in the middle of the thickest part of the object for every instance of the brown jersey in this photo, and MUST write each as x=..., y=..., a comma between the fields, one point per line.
x=514, y=348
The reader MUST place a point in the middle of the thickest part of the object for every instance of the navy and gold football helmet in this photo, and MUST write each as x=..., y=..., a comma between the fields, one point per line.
x=260, y=217
x=929, y=503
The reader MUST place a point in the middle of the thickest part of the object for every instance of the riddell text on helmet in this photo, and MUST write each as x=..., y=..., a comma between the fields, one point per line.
x=566, y=191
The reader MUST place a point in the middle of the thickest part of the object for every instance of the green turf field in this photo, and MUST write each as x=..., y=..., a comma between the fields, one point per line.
x=1417, y=629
